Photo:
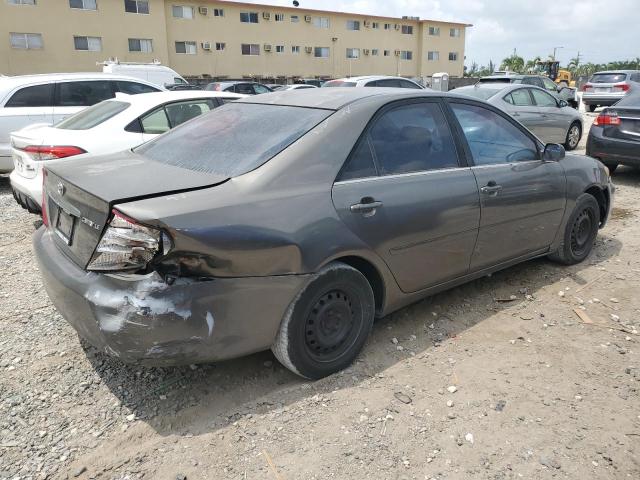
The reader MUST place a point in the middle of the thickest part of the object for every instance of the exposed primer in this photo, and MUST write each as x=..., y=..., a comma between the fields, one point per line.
x=210, y=322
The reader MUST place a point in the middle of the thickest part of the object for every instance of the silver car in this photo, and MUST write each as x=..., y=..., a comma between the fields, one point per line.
x=606, y=88
x=550, y=119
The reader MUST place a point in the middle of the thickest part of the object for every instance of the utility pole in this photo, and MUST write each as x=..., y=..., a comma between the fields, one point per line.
x=554, y=52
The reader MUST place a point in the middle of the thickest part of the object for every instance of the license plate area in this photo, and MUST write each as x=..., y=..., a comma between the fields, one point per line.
x=602, y=90
x=65, y=224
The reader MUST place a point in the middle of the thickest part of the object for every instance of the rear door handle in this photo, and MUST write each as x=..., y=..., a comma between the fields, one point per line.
x=491, y=189
x=367, y=206
x=516, y=114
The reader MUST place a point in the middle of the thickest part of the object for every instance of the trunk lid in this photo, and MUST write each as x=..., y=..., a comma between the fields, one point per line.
x=629, y=128
x=80, y=194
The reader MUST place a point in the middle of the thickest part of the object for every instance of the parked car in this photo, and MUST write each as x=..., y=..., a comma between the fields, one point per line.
x=207, y=243
x=560, y=91
x=295, y=86
x=109, y=126
x=29, y=99
x=550, y=119
x=606, y=88
x=274, y=86
x=183, y=86
x=373, y=81
x=614, y=137
x=310, y=81
x=154, y=72
x=246, y=88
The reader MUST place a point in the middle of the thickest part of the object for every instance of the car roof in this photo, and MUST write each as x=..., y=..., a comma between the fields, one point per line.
x=333, y=98
x=370, y=77
x=151, y=99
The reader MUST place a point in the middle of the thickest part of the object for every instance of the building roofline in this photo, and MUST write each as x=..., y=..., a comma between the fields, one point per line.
x=312, y=10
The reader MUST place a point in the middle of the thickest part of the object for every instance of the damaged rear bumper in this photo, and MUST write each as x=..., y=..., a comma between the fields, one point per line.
x=143, y=319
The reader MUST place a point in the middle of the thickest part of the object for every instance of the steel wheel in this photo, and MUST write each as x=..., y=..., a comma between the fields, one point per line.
x=581, y=232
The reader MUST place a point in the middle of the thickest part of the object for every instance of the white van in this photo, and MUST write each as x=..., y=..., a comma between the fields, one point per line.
x=155, y=73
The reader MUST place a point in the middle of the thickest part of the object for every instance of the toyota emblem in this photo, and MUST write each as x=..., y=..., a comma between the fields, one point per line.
x=61, y=189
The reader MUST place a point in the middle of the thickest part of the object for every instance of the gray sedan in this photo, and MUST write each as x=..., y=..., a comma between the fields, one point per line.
x=342, y=205
x=551, y=120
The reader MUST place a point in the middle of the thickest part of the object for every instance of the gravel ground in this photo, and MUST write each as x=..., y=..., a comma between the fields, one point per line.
x=497, y=379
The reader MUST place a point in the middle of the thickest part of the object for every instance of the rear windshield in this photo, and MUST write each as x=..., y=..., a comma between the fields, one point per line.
x=497, y=80
x=233, y=139
x=608, y=78
x=93, y=116
x=481, y=93
x=339, y=83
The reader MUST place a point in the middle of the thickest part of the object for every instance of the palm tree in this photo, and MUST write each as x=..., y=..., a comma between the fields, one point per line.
x=573, y=64
x=532, y=65
x=514, y=63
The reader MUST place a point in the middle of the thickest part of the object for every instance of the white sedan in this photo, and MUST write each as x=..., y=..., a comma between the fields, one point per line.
x=110, y=126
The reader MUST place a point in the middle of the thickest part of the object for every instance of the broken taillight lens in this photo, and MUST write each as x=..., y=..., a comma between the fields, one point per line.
x=127, y=245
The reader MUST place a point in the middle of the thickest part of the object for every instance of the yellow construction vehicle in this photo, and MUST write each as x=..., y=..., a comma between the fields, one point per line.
x=552, y=70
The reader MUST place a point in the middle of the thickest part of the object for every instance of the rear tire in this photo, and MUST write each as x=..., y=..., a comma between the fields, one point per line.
x=611, y=166
x=327, y=324
x=574, y=134
x=580, y=232
x=592, y=108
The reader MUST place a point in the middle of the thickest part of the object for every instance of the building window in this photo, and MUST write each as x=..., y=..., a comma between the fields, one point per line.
x=83, y=4
x=406, y=55
x=433, y=56
x=279, y=17
x=321, y=22
x=454, y=32
x=387, y=53
x=279, y=48
x=187, y=48
x=434, y=31
x=249, y=17
x=353, y=25
x=295, y=19
x=136, y=6
x=407, y=29
x=295, y=49
x=220, y=46
x=353, y=53
x=387, y=26
x=26, y=41
x=218, y=12
x=375, y=25
x=321, y=52
x=22, y=2
x=250, y=48
x=453, y=56
x=181, y=11
x=374, y=51
x=89, y=44
x=144, y=45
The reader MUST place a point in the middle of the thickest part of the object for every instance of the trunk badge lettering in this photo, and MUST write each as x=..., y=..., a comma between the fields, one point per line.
x=61, y=189
x=92, y=224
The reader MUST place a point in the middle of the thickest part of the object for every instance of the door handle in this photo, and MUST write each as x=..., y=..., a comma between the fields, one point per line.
x=491, y=189
x=367, y=206
x=516, y=114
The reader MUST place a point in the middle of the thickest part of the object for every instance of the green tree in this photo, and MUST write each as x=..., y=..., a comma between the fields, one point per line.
x=514, y=63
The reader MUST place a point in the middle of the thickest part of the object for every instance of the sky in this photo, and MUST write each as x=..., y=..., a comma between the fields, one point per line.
x=600, y=30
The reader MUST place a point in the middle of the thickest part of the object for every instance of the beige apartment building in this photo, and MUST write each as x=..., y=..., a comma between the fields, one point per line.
x=223, y=39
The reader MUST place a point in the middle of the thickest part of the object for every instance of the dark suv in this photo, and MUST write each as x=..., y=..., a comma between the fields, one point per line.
x=246, y=88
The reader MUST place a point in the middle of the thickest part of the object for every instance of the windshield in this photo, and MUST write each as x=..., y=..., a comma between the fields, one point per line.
x=481, y=93
x=608, y=78
x=497, y=80
x=339, y=83
x=233, y=139
x=93, y=116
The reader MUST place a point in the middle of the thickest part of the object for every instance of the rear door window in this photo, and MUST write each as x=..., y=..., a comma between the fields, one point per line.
x=360, y=163
x=34, y=96
x=260, y=89
x=408, y=84
x=521, y=98
x=493, y=139
x=155, y=122
x=233, y=139
x=93, y=116
x=533, y=81
x=83, y=93
x=543, y=99
x=180, y=112
x=390, y=82
x=245, y=88
x=134, y=88
x=549, y=85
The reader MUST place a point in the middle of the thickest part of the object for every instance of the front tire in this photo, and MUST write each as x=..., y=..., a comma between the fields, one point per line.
x=327, y=324
x=573, y=136
x=580, y=232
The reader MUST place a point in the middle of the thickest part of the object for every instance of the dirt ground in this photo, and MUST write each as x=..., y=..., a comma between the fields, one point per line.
x=497, y=379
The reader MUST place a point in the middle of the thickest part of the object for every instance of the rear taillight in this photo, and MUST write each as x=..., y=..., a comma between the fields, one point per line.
x=607, y=118
x=586, y=87
x=624, y=87
x=51, y=152
x=43, y=208
x=127, y=245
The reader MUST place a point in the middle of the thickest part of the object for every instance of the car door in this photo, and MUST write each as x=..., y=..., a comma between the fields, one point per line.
x=522, y=197
x=555, y=122
x=73, y=96
x=405, y=193
x=520, y=105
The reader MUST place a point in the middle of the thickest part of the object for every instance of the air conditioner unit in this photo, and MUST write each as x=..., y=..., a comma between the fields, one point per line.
x=203, y=10
x=206, y=45
x=267, y=47
x=266, y=15
x=334, y=39
x=367, y=23
x=308, y=49
x=307, y=18
x=397, y=26
x=365, y=51
x=397, y=53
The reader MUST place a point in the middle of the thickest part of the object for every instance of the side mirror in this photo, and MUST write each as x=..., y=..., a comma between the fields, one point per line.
x=553, y=152
x=562, y=104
